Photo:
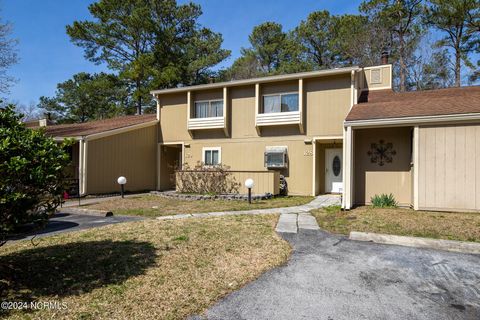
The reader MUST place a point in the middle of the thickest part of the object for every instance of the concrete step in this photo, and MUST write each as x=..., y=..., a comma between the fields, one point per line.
x=291, y=222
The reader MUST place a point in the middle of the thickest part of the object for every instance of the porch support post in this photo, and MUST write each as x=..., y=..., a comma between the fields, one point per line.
x=257, y=106
x=314, y=168
x=300, y=104
x=225, y=108
x=82, y=177
x=416, y=159
x=159, y=163
x=189, y=110
x=80, y=167
x=347, y=199
x=352, y=88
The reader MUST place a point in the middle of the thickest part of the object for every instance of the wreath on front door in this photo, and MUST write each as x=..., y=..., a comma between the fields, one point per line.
x=381, y=152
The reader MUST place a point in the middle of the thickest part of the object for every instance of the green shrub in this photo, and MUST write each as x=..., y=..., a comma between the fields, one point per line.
x=383, y=201
x=31, y=174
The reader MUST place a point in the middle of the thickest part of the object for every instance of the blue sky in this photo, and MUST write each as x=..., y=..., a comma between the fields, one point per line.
x=47, y=56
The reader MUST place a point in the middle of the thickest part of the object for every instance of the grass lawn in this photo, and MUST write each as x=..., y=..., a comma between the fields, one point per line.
x=155, y=206
x=403, y=222
x=140, y=270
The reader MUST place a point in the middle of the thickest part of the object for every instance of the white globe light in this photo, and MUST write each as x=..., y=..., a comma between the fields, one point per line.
x=249, y=183
x=122, y=180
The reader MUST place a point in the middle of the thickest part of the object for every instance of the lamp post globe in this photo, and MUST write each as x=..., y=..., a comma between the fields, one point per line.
x=249, y=183
x=122, y=181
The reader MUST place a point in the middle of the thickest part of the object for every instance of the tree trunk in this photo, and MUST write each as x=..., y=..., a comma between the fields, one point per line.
x=139, y=100
x=458, y=64
x=403, y=67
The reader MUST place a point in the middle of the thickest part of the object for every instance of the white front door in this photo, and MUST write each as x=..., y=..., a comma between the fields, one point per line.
x=333, y=170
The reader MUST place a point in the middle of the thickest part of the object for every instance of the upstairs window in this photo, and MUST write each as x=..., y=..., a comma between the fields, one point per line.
x=208, y=109
x=283, y=102
x=276, y=157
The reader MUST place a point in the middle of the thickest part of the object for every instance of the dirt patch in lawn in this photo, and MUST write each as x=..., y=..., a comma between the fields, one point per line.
x=155, y=206
x=140, y=270
x=403, y=222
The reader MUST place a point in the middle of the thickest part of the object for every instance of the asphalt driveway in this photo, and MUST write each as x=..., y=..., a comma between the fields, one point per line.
x=66, y=222
x=330, y=277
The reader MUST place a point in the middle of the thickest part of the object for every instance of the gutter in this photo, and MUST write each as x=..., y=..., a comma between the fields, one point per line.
x=234, y=83
x=412, y=120
x=108, y=132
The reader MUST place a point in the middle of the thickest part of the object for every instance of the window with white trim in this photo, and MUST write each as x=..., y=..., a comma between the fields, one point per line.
x=212, y=156
x=275, y=157
x=282, y=102
x=208, y=109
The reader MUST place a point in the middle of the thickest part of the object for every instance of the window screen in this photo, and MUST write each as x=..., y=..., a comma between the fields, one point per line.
x=211, y=157
x=280, y=103
x=209, y=109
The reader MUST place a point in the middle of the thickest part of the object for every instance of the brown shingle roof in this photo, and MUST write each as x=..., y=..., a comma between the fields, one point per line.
x=98, y=126
x=385, y=104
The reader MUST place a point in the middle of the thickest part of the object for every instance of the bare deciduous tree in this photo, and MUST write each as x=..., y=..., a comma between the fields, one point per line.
x=8, y=56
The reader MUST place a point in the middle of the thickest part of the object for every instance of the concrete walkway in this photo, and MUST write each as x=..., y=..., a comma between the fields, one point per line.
x=88, y=201
x=319, y=202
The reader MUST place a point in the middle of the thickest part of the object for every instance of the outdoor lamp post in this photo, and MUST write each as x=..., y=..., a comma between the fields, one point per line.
x=249, y=184
x=121, y=181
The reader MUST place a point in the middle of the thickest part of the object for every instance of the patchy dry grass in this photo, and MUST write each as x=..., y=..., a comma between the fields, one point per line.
x=403, y=222
x=140, y=270
x=155, y=206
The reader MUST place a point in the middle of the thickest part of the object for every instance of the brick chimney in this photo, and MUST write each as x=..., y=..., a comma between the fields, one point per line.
x=384, y=59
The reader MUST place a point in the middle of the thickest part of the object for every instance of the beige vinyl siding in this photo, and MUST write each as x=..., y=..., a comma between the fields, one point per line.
x=131, y=154
x=242, y=111
x=449, y=167
x=386, y=78
x=371, y=178
x=279, y=87
x=173, y=118
x=327, y=104
x=249, y=156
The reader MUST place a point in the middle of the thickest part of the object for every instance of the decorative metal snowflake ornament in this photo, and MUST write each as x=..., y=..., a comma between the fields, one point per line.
x=381, y=152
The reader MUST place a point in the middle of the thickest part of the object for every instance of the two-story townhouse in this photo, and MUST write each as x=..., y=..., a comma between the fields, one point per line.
x=287, y=124
x=332, y=131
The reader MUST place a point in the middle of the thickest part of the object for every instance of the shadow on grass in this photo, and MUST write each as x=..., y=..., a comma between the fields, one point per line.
x=71, y=269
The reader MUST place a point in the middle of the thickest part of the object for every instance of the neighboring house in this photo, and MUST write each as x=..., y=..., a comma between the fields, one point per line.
x=106, y=149
x=424, y=147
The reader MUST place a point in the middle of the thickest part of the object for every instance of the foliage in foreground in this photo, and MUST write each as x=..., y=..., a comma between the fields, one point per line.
x=383, y=201
x=32, y=175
